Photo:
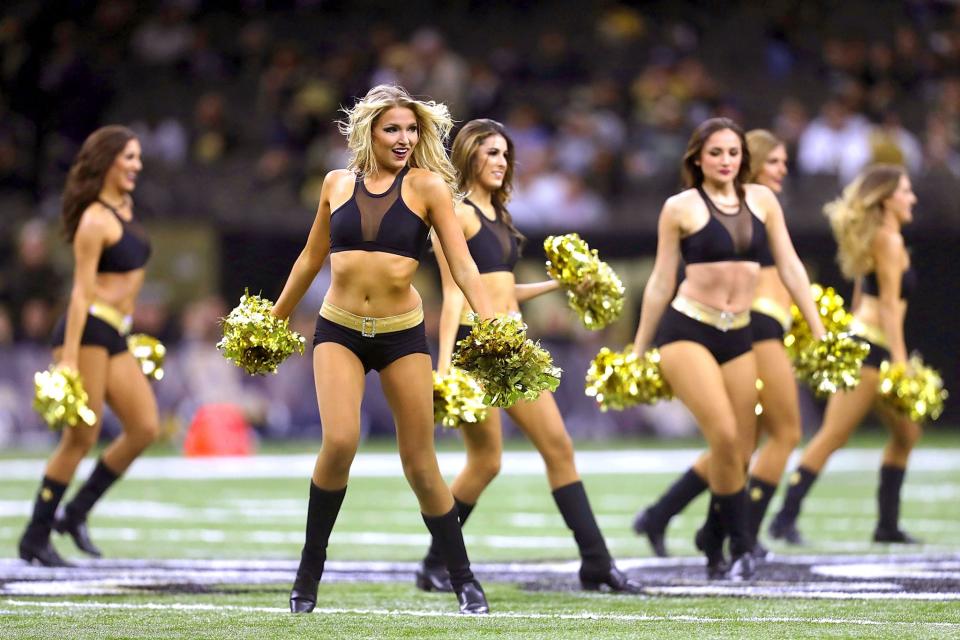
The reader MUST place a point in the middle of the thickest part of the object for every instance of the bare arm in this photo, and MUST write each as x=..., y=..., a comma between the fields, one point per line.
x=462, y=267
x=88, y=244
x=310, y=260
x=857, y=294
x=889, y=257
x=789, y=267
x=450, y=310
x=524, y=292
x=663, y=278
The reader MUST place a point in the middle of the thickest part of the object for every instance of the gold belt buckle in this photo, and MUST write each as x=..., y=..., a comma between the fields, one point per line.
x=725, y=321
x=368, y=327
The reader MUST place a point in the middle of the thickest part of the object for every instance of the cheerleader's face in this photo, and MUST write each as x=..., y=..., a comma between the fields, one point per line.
x=721, y=156
x=490, y=163
x=900, y=203
x=122, y=174
x=774, y=169
x=395, y=134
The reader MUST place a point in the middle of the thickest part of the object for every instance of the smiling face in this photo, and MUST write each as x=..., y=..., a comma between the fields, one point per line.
x=721, y=157
x=774, y=169
x=900, y=203
x=490, y=162
x=122, y=174
x=395, y=134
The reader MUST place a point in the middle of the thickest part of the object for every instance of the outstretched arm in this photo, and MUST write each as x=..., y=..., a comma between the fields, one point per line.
x=310, y=260
x=529, y=291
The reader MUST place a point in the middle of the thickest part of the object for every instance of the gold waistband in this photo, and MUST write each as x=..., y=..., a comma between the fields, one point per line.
x=870, y=333
x=116, y=319
x=722, y=320
x=770, y=307
x=466, y=316
x=368, y=326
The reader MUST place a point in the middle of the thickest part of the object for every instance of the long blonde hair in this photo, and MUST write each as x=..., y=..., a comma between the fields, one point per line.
x=433, y=120
x=856, y=215
x=761, y=144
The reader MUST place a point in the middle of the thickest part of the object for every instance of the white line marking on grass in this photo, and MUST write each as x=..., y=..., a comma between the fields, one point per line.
x=371, y=465
x=506, y=614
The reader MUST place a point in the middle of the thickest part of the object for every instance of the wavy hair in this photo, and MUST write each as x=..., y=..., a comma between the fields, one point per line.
x=433, y=120
x=760, y=144
x=466, y=145
x=856, y=214
x=691, y=172
x=85, y=179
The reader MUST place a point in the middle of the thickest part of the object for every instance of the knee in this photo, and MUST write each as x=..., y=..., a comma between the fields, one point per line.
x=906, y=436
x=725, y=443
x=786, y=436
x=423, y=478
x=147, y=433
x=558, y=451
x=77, y=441
x=338, y=451
x=484, y=468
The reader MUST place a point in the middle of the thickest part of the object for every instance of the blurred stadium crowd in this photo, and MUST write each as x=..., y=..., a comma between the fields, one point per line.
x=235, y=103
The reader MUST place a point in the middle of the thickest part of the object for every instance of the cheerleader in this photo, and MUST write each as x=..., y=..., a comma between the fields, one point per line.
x=867, y=221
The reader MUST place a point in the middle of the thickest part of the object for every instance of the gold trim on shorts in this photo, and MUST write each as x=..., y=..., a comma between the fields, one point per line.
x=722, y=320
x=466, y=316
x=772, y=308
x=112, y=316
x=870, y=333
x=369, y=326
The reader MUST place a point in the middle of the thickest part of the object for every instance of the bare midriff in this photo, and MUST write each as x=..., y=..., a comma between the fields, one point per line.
x=499, y=286
x=372, y=283
x=770, y=286
x=119, y=290
x=869, y=311
x=726, y=286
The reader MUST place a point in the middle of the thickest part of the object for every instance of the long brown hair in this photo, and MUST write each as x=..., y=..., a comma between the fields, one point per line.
x=85, y=179
x=856, y=215
x=465, y=147
x=691, y=171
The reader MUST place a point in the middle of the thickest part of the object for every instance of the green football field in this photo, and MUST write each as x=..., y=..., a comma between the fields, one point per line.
x=207, y=549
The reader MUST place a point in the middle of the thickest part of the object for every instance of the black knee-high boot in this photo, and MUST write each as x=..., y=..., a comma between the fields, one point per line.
x=784, y=525
x=432, y=573
x=732, y=510
x=709, y=539
x=448, y=536
x=597, y=567
x=321, y=514
x=74, y=518
x=652, y=521
x=760, y=492
x=35, y=543
x=888, y=502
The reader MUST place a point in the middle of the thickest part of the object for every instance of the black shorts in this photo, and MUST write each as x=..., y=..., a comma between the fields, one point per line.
x=723, y=345
x=764, y=327
x=96, y=333
x=877, y=355
x=463, y=331
x=375, y=352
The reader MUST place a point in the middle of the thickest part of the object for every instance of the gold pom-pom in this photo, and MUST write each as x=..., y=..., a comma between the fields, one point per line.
x=60, y=399
x=256, y=340
x=832, y=363
x=457, y=399
x=594, y=291
x=834, y=317
x=150, y=352
x=618, y=380
x=913, y=389
x=508, y=366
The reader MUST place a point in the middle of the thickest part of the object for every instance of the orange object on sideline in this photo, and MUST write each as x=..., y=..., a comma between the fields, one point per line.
x=218, y=430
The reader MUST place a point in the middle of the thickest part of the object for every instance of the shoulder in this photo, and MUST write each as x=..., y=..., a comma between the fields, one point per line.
x=759, y=192
x=888, y=243
x=761, y=199
x=95, y=220
x=426, y=180
x=683, y=202
x=464, y=210
x=339, y=176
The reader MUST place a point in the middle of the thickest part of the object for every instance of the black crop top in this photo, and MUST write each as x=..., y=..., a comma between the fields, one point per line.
x=739, y=236
x=908, y=282
x=378, y=222
x=493, y=247
x=128, y=253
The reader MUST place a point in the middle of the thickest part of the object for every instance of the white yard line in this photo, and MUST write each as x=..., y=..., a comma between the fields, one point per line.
x=621, y=461
x=47, y=605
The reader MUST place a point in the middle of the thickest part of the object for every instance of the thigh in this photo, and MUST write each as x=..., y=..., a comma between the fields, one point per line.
x=844, y=413
x=93, y=364
x=408, y=386
x=541, y=422
x=901, y=427
x=696, y=380
x=779, y=393
x=339, y=380
x=484, y=438
x=129, y=393
x=740, y=381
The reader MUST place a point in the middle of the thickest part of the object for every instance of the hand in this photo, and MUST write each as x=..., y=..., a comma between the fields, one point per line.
x=583, y=287
x=443, y=370
x=68, y=363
